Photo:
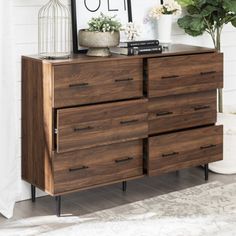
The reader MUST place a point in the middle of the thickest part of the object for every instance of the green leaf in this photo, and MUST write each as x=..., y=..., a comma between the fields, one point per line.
x=192, y=10
x=197, y=24
x=199, y=3
x=229, y=5
x=193, y=26
x=185, y=3
x=184, y=22
x=193, y=33
x=208, y=10
x=233, y=22
x=214, y=2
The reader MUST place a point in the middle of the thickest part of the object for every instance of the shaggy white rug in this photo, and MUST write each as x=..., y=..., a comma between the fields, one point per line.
x=206, y=210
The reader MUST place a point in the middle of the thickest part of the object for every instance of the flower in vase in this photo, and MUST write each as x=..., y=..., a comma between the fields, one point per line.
x=132, y=31
x=170, y=7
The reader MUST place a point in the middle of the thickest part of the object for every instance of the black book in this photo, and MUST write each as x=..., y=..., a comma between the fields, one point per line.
x=129, y=51
x=140, y=43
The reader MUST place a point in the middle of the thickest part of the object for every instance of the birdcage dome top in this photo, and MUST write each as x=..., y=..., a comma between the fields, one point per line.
x=53, y=8
x=54, y=30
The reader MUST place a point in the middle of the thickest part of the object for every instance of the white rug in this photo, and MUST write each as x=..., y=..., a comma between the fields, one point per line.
x=206, y=210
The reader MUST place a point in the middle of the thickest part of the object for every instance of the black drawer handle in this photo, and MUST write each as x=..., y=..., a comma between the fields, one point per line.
x=78, y=169
x=123, y=80
x=170, y=154
x=78, y=85
x=204, y=107
x=208, y=73
x=128, y=122
x=82, y=129
x=208, y=146
x=170, y=77
x=164, y=113
x=124, y=160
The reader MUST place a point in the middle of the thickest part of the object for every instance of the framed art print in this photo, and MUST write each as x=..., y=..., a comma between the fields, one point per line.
x=84, y=10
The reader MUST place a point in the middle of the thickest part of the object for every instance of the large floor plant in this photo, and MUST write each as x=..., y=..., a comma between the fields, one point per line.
x=208, y=16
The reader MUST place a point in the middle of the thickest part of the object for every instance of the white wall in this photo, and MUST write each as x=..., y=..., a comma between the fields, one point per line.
x=26, y=43
x=25, y=28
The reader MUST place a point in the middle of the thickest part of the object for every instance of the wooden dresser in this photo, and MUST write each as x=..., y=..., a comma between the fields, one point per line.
x=88, y=122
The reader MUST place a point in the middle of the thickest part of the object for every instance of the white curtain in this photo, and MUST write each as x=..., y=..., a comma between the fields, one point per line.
x=9, y=177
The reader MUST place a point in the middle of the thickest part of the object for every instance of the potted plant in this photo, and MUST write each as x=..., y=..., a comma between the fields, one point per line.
x=163, y=15
x=210, y=16
x=103, y=32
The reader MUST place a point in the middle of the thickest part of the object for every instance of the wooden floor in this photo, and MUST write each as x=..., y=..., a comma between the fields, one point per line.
x=91, y=201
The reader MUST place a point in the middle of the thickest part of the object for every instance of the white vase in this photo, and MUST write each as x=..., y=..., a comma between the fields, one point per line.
x=164, y=28
x=228, y=165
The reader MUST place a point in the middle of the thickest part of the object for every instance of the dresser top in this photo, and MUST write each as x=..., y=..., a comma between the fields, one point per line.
x=173, y=50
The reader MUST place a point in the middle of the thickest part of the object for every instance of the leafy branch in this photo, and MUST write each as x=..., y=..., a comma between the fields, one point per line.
x=104, y=23
x=208, y=16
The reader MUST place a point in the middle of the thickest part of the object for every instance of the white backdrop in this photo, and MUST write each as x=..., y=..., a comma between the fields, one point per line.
x=9, y=186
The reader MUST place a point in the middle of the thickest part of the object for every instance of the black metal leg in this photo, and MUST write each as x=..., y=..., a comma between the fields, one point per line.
x=33, y=193
x=58, y=206
x=206, y=169
x=124, y=186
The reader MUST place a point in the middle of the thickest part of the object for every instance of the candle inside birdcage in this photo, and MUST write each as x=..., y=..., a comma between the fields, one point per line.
x=54, y=31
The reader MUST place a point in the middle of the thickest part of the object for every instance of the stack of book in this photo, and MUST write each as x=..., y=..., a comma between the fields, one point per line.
x=137, y=47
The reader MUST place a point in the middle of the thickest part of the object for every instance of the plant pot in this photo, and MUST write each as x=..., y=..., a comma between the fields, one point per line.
x=227, y=166
x=98, y=43
x=164, y=28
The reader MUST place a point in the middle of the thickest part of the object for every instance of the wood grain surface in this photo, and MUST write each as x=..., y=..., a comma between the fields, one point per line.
x=184, y=149
x=86, y=121
x=79, y=84
x=173, y=50
x=37, y=124
x=98, y=165
x=184, y=74
x=91, y=126
x=181, y=111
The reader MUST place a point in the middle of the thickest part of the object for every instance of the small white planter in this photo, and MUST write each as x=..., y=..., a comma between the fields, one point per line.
x=228, y=165
x=164, y=28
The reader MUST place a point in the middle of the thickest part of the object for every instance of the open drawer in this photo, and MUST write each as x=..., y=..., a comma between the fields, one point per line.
x=184, y=149
x=91, y=126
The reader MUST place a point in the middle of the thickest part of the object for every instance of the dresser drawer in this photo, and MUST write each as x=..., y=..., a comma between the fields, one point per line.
x=90, y=126
x=87, y=83
x=100, y=165
x=179, y=150
x=182, y=111
x=184, y=74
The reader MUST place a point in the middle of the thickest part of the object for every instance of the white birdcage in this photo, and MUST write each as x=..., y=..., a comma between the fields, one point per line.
x=54, y=31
